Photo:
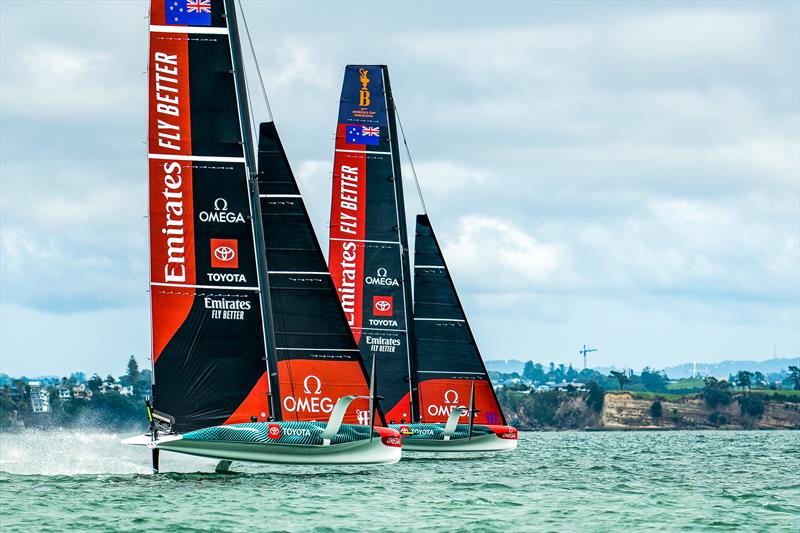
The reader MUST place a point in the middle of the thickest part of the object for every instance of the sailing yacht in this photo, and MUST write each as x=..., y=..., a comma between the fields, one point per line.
x=427, y=365
x=253, y=359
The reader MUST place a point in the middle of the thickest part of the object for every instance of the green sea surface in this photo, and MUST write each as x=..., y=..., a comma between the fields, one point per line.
x=569, y=481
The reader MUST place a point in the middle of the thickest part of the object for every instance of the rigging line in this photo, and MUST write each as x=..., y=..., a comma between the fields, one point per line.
x=250, y=108
x=255, y=59
x=411, y=161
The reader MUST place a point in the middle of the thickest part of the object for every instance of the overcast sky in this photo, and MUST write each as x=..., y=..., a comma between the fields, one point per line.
x=625, y=175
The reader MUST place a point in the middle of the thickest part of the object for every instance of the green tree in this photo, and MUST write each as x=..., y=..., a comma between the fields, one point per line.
x=794, y=377
x=94, y=382
x=621, y=377
x=572, y=374
x=744, y=378
x=133, y=376
x=653, y=380
x=527, y=370
x=595, y=395
x=759, y=380
x=716, y=392
x=656, y=410
x=751, y=405
x=110, y=379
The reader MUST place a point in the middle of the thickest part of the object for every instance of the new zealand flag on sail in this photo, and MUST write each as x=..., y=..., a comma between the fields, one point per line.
x=357, y=134
x=191, y=12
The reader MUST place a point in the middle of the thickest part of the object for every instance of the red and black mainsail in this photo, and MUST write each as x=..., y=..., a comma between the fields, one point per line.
x=369, y=259
x=208, y=329
x=246, y=321
x=422, y=380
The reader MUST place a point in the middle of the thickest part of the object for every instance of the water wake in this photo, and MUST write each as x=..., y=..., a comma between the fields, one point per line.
x=77, y=452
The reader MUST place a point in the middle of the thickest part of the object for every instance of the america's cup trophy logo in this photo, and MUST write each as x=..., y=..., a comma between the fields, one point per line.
x=364, y=98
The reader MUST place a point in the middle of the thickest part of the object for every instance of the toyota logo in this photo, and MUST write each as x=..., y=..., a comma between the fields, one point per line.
x=224, y=253
x=382, y=305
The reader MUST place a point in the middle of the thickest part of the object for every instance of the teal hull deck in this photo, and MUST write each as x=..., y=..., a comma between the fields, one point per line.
x=283, y=442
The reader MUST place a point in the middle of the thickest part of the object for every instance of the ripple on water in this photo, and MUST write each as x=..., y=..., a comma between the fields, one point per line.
x=656, y=480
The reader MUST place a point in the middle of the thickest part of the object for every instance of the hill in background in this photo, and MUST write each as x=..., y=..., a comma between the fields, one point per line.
x=722, y=369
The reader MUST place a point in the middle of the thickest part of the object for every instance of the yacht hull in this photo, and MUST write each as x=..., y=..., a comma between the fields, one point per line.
x=252, y=443
x=432, y=438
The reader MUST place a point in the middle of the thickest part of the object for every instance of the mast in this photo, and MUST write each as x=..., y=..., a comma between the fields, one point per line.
x=403, y=234
x=248, y=146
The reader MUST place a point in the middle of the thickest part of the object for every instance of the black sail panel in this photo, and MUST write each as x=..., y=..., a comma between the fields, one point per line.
x=448, y=359
x=208, y=334
x=318, y=359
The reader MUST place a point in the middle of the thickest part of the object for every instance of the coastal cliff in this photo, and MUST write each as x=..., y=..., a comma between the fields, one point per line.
x=622, y=410
x=631, y=411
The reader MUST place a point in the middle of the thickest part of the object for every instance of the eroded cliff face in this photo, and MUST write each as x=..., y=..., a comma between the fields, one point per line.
x=622, y=411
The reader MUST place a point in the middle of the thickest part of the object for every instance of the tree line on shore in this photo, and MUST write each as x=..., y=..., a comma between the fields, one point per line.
x=580, y=403
x=117, y=403
x=113, y=403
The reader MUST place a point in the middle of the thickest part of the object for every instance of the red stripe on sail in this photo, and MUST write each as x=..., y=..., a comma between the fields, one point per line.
x=172, y=250
x=157, y=12
x=255, y=405
x=348, y=212
x=310, y=389
x=439, y=396
x=401, y=412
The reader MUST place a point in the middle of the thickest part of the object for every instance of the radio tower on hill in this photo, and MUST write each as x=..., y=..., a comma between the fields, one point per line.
x=583, y=352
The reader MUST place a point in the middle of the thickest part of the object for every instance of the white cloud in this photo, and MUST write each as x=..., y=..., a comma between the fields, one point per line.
x=591, y=172
x=52, y=81
x=495, y=254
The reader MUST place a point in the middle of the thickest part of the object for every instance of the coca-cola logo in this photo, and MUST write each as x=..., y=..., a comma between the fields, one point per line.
x=224, y=253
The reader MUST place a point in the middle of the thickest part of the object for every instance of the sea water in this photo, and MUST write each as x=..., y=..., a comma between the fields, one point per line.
x=610, y=481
